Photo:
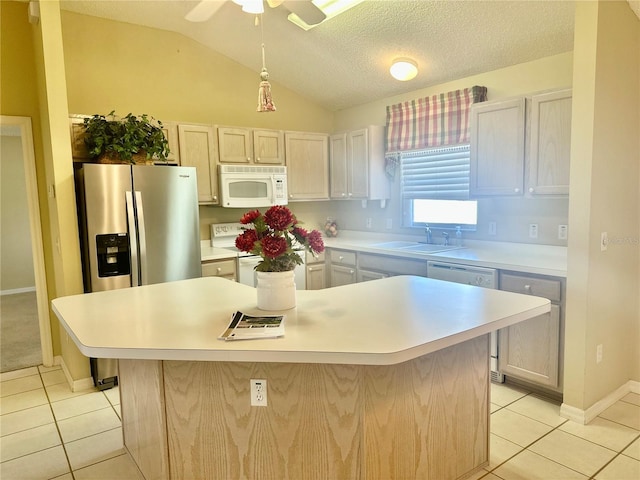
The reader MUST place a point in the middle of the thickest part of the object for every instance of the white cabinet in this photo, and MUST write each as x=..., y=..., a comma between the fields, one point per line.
x=220, y=268
x=497, y=147
x=250, y=146
x=357, y=165
x=372, y=266
x=532, y=350
x=316, y=277
x=307, y=159
x=550, y=143
x=342, y=267
x=198, y=149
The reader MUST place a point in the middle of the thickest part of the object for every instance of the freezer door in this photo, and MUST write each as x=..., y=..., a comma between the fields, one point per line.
x=168, y=223
x=105, y=235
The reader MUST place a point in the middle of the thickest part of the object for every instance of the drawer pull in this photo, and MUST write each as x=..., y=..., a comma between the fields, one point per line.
x=219, y=270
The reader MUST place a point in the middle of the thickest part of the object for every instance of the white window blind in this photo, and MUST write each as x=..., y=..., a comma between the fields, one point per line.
x=437, y=173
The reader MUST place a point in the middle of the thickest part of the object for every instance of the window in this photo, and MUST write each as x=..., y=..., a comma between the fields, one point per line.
x=435, y=188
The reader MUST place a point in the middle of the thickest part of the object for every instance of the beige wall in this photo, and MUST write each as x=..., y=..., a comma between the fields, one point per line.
x=19, y=97
x=602, y=286
x=16, y=263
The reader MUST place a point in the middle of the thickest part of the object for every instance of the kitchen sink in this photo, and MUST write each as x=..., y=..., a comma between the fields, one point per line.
x=417, y=247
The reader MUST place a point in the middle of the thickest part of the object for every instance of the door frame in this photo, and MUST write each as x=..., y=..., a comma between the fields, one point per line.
x=37, y=248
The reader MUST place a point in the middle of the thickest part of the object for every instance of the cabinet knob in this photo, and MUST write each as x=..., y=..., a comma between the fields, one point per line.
x=218, y=270
x=517, y=190
x=527, y=288
x=531, y=190
x=257, y=159
x=215, y=197
x=350, y=194
x=351, y=272
x=291, y=195
x=340, y=258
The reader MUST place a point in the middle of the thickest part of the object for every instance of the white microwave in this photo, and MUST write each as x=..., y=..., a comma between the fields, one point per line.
x=248, y=186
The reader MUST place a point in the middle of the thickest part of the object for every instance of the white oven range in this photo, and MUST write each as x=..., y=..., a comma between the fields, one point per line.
x=223, y=235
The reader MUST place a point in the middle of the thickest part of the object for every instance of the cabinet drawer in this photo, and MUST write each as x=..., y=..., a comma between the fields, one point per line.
x=219, y=268
x=540, y=287
x=309, y=258
x=343, y=257
x=396, y=266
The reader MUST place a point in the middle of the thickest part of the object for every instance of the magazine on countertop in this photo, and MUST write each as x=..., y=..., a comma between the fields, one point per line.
x=246, y=327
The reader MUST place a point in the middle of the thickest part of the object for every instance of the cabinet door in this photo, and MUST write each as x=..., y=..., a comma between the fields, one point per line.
x=268, y=147
x=358, y=164
x=529, y=350
x=366, y=275
x=235, y=145
x=550, y=143
x=316, y=276
x=170, y=130
x=198, y=149
x=78, y=149
x=338, y=159
x=307, y=158
x=497, y=148
x=341, y=275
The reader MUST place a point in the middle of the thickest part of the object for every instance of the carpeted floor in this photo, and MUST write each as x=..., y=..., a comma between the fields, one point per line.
x=19, y=332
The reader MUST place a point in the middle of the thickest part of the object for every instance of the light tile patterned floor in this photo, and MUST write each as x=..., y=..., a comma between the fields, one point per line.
x=49, y=432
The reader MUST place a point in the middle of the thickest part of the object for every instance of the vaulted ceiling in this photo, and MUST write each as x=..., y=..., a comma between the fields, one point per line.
x=345, y=61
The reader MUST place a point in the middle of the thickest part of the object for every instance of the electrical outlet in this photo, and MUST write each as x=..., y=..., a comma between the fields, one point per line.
x=369, y=222
x=533, y=230
x=599, y=353
x=492, y=228
x=389, y=223
x=562, y=232
x=258, y=393
x=604, y=241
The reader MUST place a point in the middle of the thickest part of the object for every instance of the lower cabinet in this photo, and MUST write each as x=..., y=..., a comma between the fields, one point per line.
x=366, y=275
x=372, y=267
x=220, y=268
x=532, y=350
x=342, y=267
x=316, y=273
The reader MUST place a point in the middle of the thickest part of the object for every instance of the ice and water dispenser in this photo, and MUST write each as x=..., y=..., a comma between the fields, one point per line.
x=113, y=254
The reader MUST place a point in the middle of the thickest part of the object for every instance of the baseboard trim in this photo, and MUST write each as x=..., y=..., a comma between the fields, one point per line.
x=75, y=385
x=15, y=291
x=585, y=416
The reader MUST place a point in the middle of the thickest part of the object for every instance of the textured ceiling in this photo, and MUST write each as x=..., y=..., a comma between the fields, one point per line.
x=344, y=61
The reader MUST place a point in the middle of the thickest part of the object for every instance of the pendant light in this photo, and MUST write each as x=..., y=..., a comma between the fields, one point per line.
x=265, y=102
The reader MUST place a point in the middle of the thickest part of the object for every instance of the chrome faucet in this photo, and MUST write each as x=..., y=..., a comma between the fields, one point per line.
x=446, y=238
x=427, y=230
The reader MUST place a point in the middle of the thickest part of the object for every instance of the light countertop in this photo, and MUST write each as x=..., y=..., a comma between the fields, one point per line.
x=521, y=257
x=381, y=322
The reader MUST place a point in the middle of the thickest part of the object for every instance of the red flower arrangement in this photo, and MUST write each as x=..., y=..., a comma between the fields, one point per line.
x=277, y=237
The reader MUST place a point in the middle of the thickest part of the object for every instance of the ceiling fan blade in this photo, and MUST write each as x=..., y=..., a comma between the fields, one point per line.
x=204, y=10
x=307, y=11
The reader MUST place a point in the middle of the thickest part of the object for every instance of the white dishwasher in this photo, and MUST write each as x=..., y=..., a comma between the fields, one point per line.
x=479, y=277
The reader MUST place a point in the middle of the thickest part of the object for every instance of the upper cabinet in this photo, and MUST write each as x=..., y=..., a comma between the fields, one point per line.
x=170, y=130
x=198, y=149
x=497, y=147
x=307, y=157
x=521, y=145
x=250, y=146
x=357, y=165
x=550, y=144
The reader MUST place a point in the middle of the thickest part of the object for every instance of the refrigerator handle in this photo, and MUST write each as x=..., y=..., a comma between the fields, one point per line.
x=142, y=240
x=133, y=235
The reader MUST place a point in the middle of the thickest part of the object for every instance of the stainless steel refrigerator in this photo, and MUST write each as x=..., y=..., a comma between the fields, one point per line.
x=139, y=225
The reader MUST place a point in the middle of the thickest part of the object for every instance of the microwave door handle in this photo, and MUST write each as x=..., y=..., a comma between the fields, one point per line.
x=273, y=190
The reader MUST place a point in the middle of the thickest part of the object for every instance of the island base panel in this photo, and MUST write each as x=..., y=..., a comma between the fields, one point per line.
x=427, y=418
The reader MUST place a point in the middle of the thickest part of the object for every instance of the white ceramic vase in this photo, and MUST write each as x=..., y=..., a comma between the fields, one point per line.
x=276, y=290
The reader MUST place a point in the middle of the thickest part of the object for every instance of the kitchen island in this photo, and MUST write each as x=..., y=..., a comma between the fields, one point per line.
x=383, y=379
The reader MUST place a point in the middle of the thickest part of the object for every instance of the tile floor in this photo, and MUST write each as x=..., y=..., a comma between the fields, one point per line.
x=49, y=432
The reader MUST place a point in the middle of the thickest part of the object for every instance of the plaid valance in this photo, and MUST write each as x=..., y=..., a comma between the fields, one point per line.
x=432, y=121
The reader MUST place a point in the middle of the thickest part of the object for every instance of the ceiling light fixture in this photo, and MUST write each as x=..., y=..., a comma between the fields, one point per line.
x=331, y=8
x=251, y=6
x=403, y=69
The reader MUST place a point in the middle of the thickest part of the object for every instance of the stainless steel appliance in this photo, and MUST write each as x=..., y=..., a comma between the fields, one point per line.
x=223, y=235
x=248, y=186
x=470, y=275
x=139, y=225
